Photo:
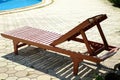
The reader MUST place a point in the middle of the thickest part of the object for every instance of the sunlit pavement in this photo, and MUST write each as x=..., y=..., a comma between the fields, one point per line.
x=61, y=16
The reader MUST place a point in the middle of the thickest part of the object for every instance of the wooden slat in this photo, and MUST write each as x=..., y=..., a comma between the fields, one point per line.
x=109, y=54
x=85, y=25
x=71, y=33
x=34, y=35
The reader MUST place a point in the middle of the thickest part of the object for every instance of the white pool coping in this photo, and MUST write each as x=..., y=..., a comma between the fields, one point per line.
x=39, y=5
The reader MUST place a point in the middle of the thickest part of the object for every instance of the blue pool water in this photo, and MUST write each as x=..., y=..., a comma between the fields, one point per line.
x=13, y=4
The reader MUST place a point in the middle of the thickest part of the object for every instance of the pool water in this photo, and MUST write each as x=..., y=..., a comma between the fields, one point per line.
x=13, y=4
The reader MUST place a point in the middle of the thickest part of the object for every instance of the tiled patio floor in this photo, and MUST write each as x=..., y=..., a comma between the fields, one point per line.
x=61, y=16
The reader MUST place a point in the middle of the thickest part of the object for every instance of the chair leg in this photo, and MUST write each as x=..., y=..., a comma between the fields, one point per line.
x=15, y=43
x=76, y=62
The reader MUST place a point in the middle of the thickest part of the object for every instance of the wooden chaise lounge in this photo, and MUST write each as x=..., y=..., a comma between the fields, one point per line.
x=48, y=41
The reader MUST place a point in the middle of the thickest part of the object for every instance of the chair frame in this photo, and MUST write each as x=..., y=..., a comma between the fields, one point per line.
x=94, y=48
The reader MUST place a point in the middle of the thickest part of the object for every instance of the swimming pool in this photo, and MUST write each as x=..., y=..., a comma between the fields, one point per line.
x=14, y=4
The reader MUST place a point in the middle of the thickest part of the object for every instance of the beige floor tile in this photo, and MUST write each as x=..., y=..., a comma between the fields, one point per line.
x=3, y=76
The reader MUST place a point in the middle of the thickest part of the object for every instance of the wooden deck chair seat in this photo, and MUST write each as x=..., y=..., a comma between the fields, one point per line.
x=49, y=40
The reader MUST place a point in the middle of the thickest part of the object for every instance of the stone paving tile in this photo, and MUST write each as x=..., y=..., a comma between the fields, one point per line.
x=11, y=71
x=18, y=68
x=2, y=64
x=24, y=78
x=21, y=73
x=3, y=75
x=44, y=77
x=3, y=69
x=11, y=78
x=61, y=16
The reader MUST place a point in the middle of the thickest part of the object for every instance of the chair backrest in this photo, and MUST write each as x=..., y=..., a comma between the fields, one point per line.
x=87, y=24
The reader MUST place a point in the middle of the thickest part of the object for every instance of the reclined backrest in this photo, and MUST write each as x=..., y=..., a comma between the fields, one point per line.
x=87, y=24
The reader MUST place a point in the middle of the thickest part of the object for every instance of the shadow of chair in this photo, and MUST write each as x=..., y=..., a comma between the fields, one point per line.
x=54, y=64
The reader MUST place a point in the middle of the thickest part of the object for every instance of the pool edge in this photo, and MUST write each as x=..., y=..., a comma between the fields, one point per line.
x=42, y=4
